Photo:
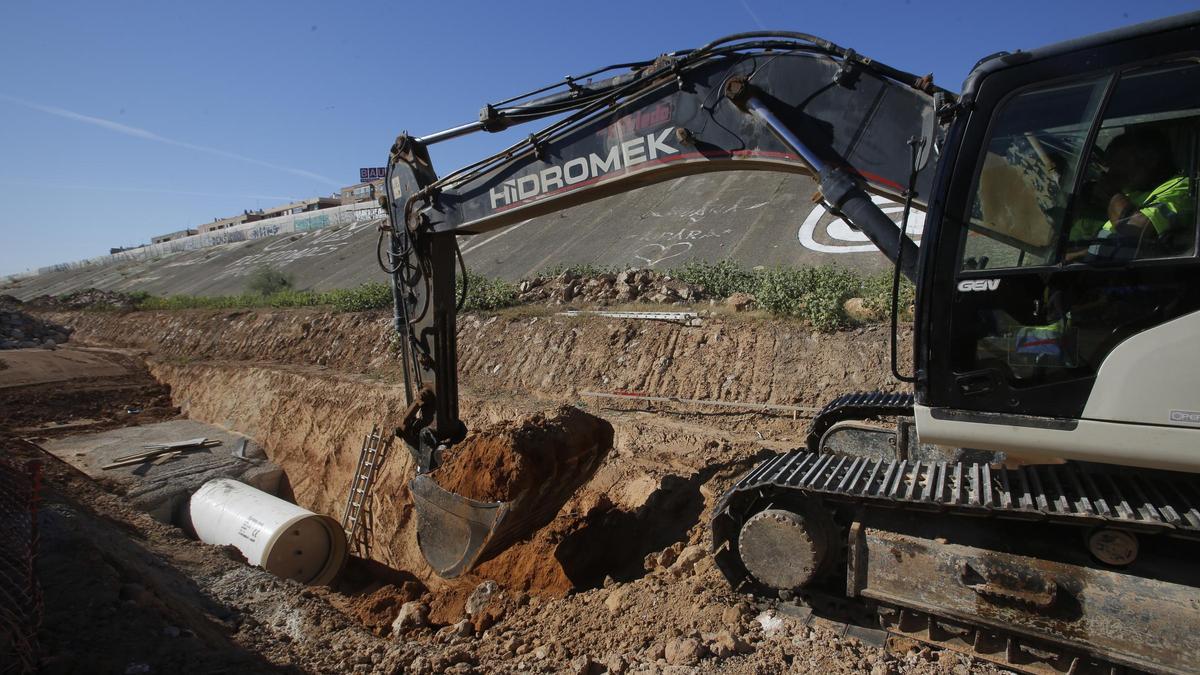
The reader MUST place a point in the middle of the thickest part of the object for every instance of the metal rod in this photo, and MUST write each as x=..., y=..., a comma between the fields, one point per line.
x=791, y=139
x=453, y=132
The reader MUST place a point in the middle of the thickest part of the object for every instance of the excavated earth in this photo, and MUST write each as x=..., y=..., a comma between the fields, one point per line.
x=618, y=580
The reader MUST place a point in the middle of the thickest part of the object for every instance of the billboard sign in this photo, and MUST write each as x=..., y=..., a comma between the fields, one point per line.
x=369, y=174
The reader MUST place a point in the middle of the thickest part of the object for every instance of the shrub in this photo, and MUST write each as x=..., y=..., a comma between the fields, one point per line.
x=267, y=280
x=371, y=295
x=830, y=288
x=722, y=279
x=877, y=295
x=484, y=293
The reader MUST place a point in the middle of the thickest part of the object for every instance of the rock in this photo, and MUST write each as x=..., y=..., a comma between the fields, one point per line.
x=856, y=310
x=687, y=560
x=770, y=623
x=683, y=651
x=419, y=666
x=616, y=664
x=740, y=302
x=616, y=600
x=464, y=629
x=480, y=597
x=413, y=614
x=541, y=652
x=726, y=644
x=883, y=669
x=732, y=616
x=513, y=645
x=655, y=652
x=584, y=665
x=667, y=557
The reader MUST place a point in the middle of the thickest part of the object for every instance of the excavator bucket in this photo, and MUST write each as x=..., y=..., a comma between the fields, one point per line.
x=542, y=462
x=453, y=532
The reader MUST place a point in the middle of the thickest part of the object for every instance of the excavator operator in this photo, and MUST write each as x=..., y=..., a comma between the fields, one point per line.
x=1143, y=190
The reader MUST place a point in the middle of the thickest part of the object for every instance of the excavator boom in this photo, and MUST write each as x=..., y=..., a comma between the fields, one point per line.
x=784, y=102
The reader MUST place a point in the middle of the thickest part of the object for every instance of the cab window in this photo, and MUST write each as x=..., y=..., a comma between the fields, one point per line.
x=1023, y=185
x=1137, y=199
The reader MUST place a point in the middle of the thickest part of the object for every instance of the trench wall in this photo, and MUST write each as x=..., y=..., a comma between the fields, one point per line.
x=553, y=357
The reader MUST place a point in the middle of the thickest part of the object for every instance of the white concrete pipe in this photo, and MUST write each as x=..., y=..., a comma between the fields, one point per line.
x=278, y=536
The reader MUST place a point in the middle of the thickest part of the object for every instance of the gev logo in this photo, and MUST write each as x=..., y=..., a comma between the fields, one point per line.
x=968, y=285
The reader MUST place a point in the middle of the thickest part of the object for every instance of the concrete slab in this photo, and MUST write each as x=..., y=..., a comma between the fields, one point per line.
x=162, y=489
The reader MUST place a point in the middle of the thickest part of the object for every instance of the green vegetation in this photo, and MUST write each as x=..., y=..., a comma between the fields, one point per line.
x=817, y=295
x=721, y=279
x=267, y=280
x=485, y=293
x=371, y=295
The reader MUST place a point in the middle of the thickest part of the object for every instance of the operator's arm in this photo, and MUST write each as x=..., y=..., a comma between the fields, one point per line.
x=1161, y=209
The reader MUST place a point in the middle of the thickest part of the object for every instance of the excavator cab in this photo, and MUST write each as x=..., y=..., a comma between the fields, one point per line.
x=1065, y=259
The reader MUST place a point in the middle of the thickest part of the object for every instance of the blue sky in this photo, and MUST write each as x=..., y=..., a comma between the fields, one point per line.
x=123, y=120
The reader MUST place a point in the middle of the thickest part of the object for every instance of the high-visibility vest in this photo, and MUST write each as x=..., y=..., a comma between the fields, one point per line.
x=1162, y=205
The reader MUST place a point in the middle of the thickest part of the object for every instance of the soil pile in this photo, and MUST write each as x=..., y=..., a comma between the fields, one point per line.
x=515, y=458
x=19, y=330
x=88, y=298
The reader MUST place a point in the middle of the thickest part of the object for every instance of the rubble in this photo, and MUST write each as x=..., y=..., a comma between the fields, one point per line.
x=88, y=298
x=412, y=615
x=629, y=286
x=19, y=330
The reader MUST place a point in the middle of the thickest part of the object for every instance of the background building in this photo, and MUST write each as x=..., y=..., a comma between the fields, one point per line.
x=362, y=192
x=172, y=235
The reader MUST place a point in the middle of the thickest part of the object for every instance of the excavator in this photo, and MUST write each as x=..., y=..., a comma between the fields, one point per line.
x=1035, y=502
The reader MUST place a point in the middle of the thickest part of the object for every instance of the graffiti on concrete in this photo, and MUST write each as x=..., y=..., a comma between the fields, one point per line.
x=657, y=247
x=824, y=233
x=369, y=214
x=696, y=214
x=291, y=249
x=266, y=231
x=312, y=223
x=270, y=227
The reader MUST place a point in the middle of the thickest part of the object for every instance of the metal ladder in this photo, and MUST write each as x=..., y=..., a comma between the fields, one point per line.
x=357, y=519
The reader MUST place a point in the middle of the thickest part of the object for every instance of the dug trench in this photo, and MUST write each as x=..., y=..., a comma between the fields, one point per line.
x=308, y=386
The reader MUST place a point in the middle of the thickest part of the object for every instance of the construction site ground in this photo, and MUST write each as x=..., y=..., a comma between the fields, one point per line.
x=620, y=580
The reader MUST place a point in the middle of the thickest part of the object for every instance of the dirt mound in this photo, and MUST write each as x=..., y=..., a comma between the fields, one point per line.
x=605, y=289
x=19, y=330
x=510, y=459
x=88, y=298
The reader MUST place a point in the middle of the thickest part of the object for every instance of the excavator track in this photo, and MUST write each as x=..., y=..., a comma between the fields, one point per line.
x=1076, y=494
x=947, y=552
x=856, y=406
